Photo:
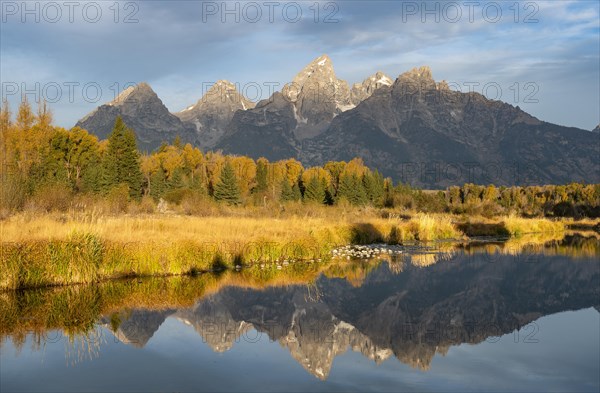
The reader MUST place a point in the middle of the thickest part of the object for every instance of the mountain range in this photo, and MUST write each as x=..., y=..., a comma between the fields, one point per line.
x=414, y=129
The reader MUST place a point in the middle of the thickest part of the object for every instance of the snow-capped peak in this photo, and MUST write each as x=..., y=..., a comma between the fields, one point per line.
x=383, y=79
x=362, y=91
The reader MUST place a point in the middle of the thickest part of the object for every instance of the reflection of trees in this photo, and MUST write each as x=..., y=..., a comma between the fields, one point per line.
x=574, y=245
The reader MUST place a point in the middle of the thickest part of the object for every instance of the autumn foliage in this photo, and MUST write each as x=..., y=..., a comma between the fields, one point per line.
x=44, y=166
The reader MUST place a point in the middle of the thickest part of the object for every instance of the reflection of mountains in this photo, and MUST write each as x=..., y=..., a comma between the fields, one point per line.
x=411, y=315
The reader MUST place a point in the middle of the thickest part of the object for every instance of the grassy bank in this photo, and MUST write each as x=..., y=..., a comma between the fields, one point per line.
x=62, y=249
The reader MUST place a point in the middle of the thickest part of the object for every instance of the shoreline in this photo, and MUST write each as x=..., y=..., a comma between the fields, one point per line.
x=53, y=251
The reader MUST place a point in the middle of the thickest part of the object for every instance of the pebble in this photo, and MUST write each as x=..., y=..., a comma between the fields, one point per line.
x=364, y=252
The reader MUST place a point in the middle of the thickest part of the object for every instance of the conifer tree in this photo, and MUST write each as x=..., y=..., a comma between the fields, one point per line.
x=373, y=184
x=261, y=176
x=351, y=188
x=227, y=189
x=121, y=163
x=296, y=191
x=314, y=191
x=158, y=181
x=344, y=188
x=287, y=193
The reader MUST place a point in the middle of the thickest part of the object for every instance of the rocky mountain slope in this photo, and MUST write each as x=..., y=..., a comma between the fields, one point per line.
x=421, y=132
x=211, y=115
x=304, y=108
x=364, y=90
x=414, y=129
x=144, y=112
x=418, y=131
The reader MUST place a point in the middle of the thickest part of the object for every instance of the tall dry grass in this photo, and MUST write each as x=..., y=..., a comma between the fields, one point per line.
x=518, y=226
x=66, y=248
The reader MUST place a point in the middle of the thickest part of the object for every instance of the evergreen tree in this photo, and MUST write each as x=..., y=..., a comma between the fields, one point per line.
x=227, y=189
x=158, y=183
x=345, y=188
x=287, y=193
x=296, y=191
x=388, y=192
x=329, y=192
x=261, y=177
x=351, y=188
x=121, y=163
x=373, y=184
x=91, y=180
x=314, y=191
x=176, y=181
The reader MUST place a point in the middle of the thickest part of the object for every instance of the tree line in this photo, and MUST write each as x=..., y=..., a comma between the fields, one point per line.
x=37, y=155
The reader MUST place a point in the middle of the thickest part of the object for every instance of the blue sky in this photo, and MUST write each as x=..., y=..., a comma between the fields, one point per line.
x=543, y=57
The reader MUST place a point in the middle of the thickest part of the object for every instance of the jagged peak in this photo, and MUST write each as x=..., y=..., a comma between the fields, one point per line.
x=140, y=88
x=382, y=78
x=363, y=90
x=418, y=77
x=418, y=73
x=322, y=61
x=320, y=77
x=379, y=78
x=443, y=86
x=321, y=66
x=223, y=83
x=222, y=91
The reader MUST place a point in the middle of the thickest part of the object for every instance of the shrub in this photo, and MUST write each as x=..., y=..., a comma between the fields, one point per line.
x=12, y=193
x=52, y=197
x=177, y=196
x=145, y=205
x=198, y=204
x=118, y=198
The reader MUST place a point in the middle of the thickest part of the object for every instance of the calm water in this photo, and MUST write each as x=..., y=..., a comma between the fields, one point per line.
x=466, y=319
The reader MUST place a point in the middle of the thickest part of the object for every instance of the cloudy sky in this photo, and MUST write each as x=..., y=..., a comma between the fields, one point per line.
x=542, y=56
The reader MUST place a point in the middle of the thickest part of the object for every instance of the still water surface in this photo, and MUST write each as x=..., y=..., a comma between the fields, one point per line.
x=466, y=319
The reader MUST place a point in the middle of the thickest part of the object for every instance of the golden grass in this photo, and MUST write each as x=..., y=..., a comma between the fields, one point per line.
x=518, y=226
x=164, y=228
x=508, y=226
x=56, y=249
